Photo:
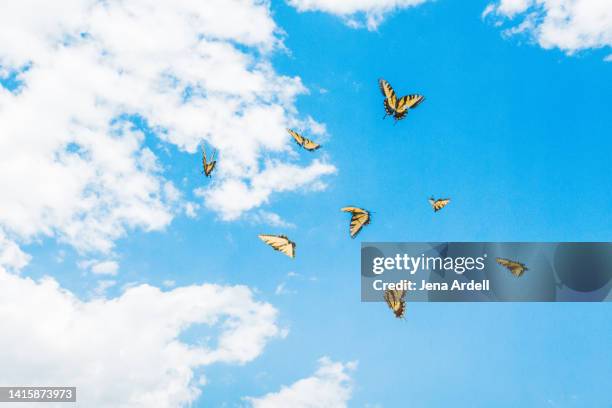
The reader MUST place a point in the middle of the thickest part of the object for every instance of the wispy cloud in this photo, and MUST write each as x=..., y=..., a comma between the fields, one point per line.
x=356, y=13
x=102, y=286
x=100, y=267
x=281, y=289
x=169, y=283
x=269, y=218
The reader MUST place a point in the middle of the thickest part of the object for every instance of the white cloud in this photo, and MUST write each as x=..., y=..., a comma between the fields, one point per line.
x=126, y=352
x=509, y=8
x=100, y=267
x=234, y=197
x=105, y=268
x=191, y=209
x=356, y=13
x=77, y=168
x=569, y=25
x=329, y=387
x=11, y=256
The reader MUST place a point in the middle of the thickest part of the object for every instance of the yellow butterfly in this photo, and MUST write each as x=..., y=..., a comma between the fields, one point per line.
x=516, y=268
x=359, y=219
x=280, y=243
x=438, y=204
x=396, y=300
x=302, y=141
x=397, y=107
x=208, y=166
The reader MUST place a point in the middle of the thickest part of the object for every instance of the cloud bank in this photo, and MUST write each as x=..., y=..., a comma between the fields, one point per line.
x=99, y=84
x=126, y=352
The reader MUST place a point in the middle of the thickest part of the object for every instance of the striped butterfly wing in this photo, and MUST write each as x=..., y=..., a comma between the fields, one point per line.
x=204, y=160
x=390, y=101
x=516, y=268
x=280, y=243
x=310, y=145
x=386, y=89
x=209, y=167
x=302, y=141
x=359, y=219
x=437, y=205
x=396, y=300
x=409, y=102
x=390, y=106
x=406, y=102
x=296, y=136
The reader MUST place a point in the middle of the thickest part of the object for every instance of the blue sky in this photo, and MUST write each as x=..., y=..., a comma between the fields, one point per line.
x=516, y=135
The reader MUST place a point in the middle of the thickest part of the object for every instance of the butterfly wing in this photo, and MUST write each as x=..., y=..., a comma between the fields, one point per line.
x=389, y=107
x=204, y=161
x=310, y=145
x=516, y=268
x=396, y=300
x=503, y=262
x=409, y=102
x=298, y=138
x=208, y=168
x=440, y=204
x=386, y=89
x=280, y=243
x=406, y=102
x=390, y=101
x=302, y=141
x=359, y=219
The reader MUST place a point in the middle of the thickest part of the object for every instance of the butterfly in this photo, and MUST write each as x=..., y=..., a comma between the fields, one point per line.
x=438, y=204
x=280, y=243
x=396, y=300
x=208, y=166
x=302, y=141
x=516, y=268
x=359, y=219
x=397, y=107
